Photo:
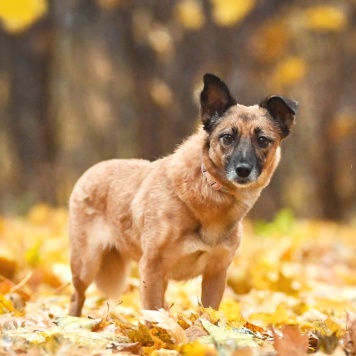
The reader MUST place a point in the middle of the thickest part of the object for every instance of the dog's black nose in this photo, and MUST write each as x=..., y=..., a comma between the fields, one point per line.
x=243, y=170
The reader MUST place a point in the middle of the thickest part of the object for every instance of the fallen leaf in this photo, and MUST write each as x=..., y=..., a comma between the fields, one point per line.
x=349, y=339
x=163, y=320
x=220, y=335
x=327, y=343
x=291, y=342
x=195, y=332
x=291, y=272
x=196, y=348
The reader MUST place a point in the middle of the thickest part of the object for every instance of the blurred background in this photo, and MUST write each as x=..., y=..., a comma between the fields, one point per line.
x=87, y=80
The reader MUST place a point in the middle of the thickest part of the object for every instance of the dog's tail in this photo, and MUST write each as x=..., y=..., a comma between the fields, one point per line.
x=113, y=273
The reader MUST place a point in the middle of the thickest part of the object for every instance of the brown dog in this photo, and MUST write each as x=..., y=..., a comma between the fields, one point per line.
x=179, y=216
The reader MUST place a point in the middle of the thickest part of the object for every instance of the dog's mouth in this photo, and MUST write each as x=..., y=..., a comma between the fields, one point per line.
x=243, y=181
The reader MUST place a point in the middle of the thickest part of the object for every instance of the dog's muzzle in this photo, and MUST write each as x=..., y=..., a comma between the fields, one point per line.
x=243, y=170
x=242, y=174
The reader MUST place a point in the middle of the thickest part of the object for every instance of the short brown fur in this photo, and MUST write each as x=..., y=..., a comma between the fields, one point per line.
x=176, y=221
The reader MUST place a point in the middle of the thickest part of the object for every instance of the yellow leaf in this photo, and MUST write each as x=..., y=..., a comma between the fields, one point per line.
x=271, y=40
x=142, y=335
x=219, y=334
x=163, y=320
x=231, y=309
x=183, y=321
x=281, y=315
x=18, y=15
x=33, y=254
x=196, y=348
x=69, y=323
x=210, y=314
x=230, y=12
x=334, y=327
x=325, y=18
x=6, y=306
x=289, y=71
x=329, y=327
x=190, y=14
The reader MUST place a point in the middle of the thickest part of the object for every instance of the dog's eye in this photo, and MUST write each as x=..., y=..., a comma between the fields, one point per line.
x=227, y=139
x=263, y=141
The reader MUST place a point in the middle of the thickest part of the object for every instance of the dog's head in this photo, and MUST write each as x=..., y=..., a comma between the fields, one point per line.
x=243, y=141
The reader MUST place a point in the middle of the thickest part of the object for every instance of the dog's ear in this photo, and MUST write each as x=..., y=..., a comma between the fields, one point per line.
x=282, y=110
x=215, y=99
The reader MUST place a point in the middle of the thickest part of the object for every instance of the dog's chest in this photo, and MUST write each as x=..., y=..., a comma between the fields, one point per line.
x=189, y=261
x=196, y=252
x=189, y=266
x=214, y=233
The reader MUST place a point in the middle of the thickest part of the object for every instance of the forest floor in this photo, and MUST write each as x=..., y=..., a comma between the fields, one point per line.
x=291, y=290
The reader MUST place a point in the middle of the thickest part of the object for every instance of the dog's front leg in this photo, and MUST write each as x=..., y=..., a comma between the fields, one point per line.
x=213, y=287
x=153, y=284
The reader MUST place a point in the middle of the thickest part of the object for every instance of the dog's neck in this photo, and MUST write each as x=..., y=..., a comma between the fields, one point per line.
x=214, y=184
x=211, y=173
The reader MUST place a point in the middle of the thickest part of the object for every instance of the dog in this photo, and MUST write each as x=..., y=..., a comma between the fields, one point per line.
x=179, y=216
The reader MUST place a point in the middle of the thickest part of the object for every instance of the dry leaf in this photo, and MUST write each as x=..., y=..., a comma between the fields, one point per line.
x=349, y=339
x=220, y=334
x=195, y=332
x=292, y=275
x=291, y=342
x=162, y=319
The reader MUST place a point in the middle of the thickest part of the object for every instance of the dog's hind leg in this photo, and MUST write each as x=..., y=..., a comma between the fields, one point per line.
x=78, y=297
x=83, y=274
x=85, y=264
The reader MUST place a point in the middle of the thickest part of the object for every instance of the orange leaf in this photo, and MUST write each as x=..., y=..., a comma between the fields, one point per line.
x=254, y=328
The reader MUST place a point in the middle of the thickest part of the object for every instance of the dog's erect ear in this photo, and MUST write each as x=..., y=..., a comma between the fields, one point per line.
x=215, y=99
x=282, y=110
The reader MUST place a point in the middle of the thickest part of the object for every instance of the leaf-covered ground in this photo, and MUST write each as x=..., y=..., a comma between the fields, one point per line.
x=292, y=290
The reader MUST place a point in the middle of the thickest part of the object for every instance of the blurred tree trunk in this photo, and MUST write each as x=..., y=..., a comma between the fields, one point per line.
x=153, y=132
x=30, y=122
x=329, y=161
x=330, y=200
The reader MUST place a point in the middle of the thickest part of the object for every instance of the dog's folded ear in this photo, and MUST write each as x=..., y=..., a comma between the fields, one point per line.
x=282, y=110
x=215, y=99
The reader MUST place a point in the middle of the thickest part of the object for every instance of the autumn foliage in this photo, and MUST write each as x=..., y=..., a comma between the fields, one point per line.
x=86, y=80
x=291, y=289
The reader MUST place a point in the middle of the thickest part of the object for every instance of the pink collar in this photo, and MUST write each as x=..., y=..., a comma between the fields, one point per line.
x=210, y=179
